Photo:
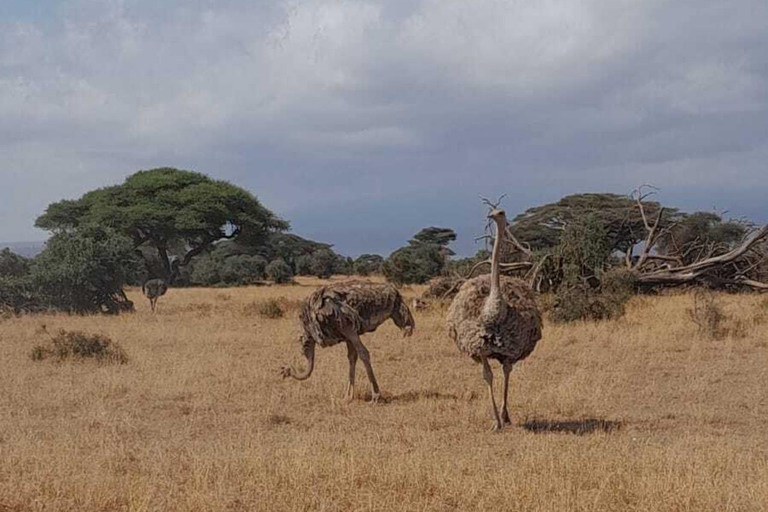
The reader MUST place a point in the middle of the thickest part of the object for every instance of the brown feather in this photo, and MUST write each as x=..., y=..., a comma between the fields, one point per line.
x=352, y=305
x=508, y=339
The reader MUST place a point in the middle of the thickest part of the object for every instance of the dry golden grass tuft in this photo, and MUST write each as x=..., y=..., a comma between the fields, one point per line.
x=642, y=413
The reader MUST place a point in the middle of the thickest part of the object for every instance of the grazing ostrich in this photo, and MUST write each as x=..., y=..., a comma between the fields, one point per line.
x=153, y=290
x=341, y=313
x=495, y=317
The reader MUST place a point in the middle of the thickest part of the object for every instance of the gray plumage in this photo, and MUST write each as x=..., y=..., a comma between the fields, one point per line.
x=495, y=317
x=342, y=313
x=153, y=290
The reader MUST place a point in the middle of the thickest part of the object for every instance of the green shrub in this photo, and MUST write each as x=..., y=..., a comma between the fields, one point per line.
x=77, y=345
x=414, y=264
x=206, y=271
x=367, y=264
x=303, y=265
x=243, y=269
x=17, y=295
x=13, y=265
x=84, y=271
x=323, y=263
x=279, y=272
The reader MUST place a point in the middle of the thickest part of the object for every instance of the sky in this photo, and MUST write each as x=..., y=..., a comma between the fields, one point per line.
x=362, y=121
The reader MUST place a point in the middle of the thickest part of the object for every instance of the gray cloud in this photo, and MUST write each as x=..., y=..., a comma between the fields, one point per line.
x=364, y=121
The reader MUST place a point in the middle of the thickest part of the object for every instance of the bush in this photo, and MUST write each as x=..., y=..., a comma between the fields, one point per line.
x=279, y=272
x=270, y=309
x=243, y=269
x=17, y=295
x=580, y=302
x=84, y=271
x=414, y=264
x=367, y=264
x=79, y=346
x=13, y=265
x=303, y=265
x=206, y=271
x=323, y=263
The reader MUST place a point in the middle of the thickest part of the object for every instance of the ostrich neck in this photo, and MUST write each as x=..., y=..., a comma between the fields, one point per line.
x=494, y=304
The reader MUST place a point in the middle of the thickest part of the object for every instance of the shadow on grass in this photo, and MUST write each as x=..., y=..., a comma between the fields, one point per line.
x=414, y=396
x=576, y=427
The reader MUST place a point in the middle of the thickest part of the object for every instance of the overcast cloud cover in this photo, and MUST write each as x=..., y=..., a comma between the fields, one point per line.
x=363, y=121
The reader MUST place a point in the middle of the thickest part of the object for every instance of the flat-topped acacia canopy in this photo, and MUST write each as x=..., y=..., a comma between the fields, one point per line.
x=168, y=207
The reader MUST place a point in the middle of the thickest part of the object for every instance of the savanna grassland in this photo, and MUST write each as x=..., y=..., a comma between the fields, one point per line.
x=643, y=413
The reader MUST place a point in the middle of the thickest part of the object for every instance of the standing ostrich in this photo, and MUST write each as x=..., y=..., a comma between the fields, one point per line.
x=495, y=317
x=343, y=312
x=153, y=290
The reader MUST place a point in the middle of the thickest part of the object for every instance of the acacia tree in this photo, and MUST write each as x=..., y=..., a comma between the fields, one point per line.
x=436, y=236
x=542, y=226
x=166, y=208
x=423, y=258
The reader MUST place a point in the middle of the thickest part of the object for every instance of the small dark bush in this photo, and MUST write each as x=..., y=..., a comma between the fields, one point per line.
x=270, y=309
x=77, y=345
x=572, y=303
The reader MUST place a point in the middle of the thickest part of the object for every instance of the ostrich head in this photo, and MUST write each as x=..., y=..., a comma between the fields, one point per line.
x=403, y=319
x=308, y=349
x=497, y=215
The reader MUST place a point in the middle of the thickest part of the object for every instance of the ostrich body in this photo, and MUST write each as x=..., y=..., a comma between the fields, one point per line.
x=153, y=290
x=342, y=313
x=495, y=317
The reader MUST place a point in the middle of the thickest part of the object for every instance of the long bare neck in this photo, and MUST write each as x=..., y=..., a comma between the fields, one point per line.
x=496, y=258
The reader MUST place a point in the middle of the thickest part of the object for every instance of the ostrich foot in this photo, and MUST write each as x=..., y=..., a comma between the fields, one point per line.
x=375, y=398
x=349, y=396
x=505, y=418
x=497, y=427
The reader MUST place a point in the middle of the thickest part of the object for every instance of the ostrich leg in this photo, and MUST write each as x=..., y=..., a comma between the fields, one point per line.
x=488, y=376
x=366, y=358
x=507, y=367
x=352, y=356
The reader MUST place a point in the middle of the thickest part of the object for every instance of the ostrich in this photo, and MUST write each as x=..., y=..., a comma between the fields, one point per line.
x=341, y=313
x=495, y=317
x=153, y=290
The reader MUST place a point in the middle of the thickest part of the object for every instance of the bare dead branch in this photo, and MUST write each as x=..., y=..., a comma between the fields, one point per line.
x=490, y=203
x=699, y=269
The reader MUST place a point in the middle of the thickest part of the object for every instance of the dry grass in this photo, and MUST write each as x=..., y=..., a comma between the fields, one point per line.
x=642, y=413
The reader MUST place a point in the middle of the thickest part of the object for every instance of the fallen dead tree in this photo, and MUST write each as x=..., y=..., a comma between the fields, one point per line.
x=718, y=268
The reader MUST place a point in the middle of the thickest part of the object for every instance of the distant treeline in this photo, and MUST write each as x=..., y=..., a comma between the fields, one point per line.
x=191, y=230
